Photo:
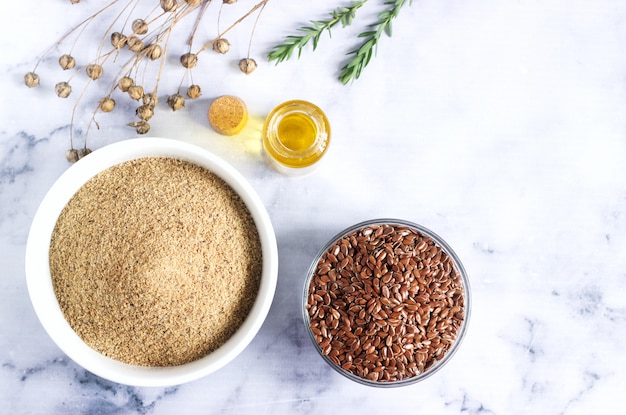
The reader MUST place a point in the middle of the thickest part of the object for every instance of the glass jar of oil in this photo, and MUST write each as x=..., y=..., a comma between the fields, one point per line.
x=296, y=135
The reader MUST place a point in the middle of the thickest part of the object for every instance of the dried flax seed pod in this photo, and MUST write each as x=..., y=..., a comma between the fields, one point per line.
x=67, y=62
x=194, y=91
x=74, y=1
x=118, y=40
x=189, y=60
x=176, y=102
x=221, y=45
x=107, y=104
x=82, y=152
x=144, y=112
x=247, y=65
x=154, y=52
x=63, y=89
x=193, y=3
x=141, y=127
x=230, y=1
x=140, y=27
x=31, y=79
x=135, y=44
x=168, y=5
x=71, y=155
x=151, y=99
x=94, y=71
x=125, y=83
x=135, y=92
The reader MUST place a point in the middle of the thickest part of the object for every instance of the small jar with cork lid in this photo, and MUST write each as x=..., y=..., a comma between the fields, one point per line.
x=296, y=135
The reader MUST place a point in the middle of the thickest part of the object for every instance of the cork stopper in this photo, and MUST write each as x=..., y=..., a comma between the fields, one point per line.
x=228, y=115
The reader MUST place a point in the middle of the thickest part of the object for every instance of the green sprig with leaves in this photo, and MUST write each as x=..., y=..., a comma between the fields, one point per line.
x=343, y=15
x=362, y=55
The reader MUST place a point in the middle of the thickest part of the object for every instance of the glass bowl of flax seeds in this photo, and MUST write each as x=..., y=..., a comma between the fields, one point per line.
x=386, y=303
x=151, y=262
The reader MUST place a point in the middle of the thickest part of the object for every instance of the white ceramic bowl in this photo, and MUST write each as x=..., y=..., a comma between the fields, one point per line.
x=39, y=280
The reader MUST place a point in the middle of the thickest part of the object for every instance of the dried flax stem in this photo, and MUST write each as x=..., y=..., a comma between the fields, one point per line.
x=241, y=19
x=256, y=21
x=72, y=30
x=74, y=113
x=203, y=8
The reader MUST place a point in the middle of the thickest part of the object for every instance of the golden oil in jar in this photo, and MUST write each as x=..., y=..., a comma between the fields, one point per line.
x=296, y=135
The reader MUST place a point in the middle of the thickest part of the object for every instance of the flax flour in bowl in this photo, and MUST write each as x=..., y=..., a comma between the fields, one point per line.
x=152, y=263
x=386, y=303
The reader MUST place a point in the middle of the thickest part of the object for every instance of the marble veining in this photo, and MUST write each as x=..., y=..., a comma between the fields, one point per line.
x=498, y=125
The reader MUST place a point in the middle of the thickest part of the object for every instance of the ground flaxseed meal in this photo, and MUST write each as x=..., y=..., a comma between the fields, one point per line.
x=155, y=262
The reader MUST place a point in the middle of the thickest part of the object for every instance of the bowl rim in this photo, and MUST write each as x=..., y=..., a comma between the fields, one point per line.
x=466, y=292
x=39, y=282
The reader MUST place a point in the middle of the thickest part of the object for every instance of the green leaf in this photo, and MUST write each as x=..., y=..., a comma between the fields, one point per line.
x=388, y=29
x=367, y=34
x=352, y=63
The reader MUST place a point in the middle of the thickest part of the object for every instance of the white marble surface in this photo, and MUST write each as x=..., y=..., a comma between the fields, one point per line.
x=498, y=124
